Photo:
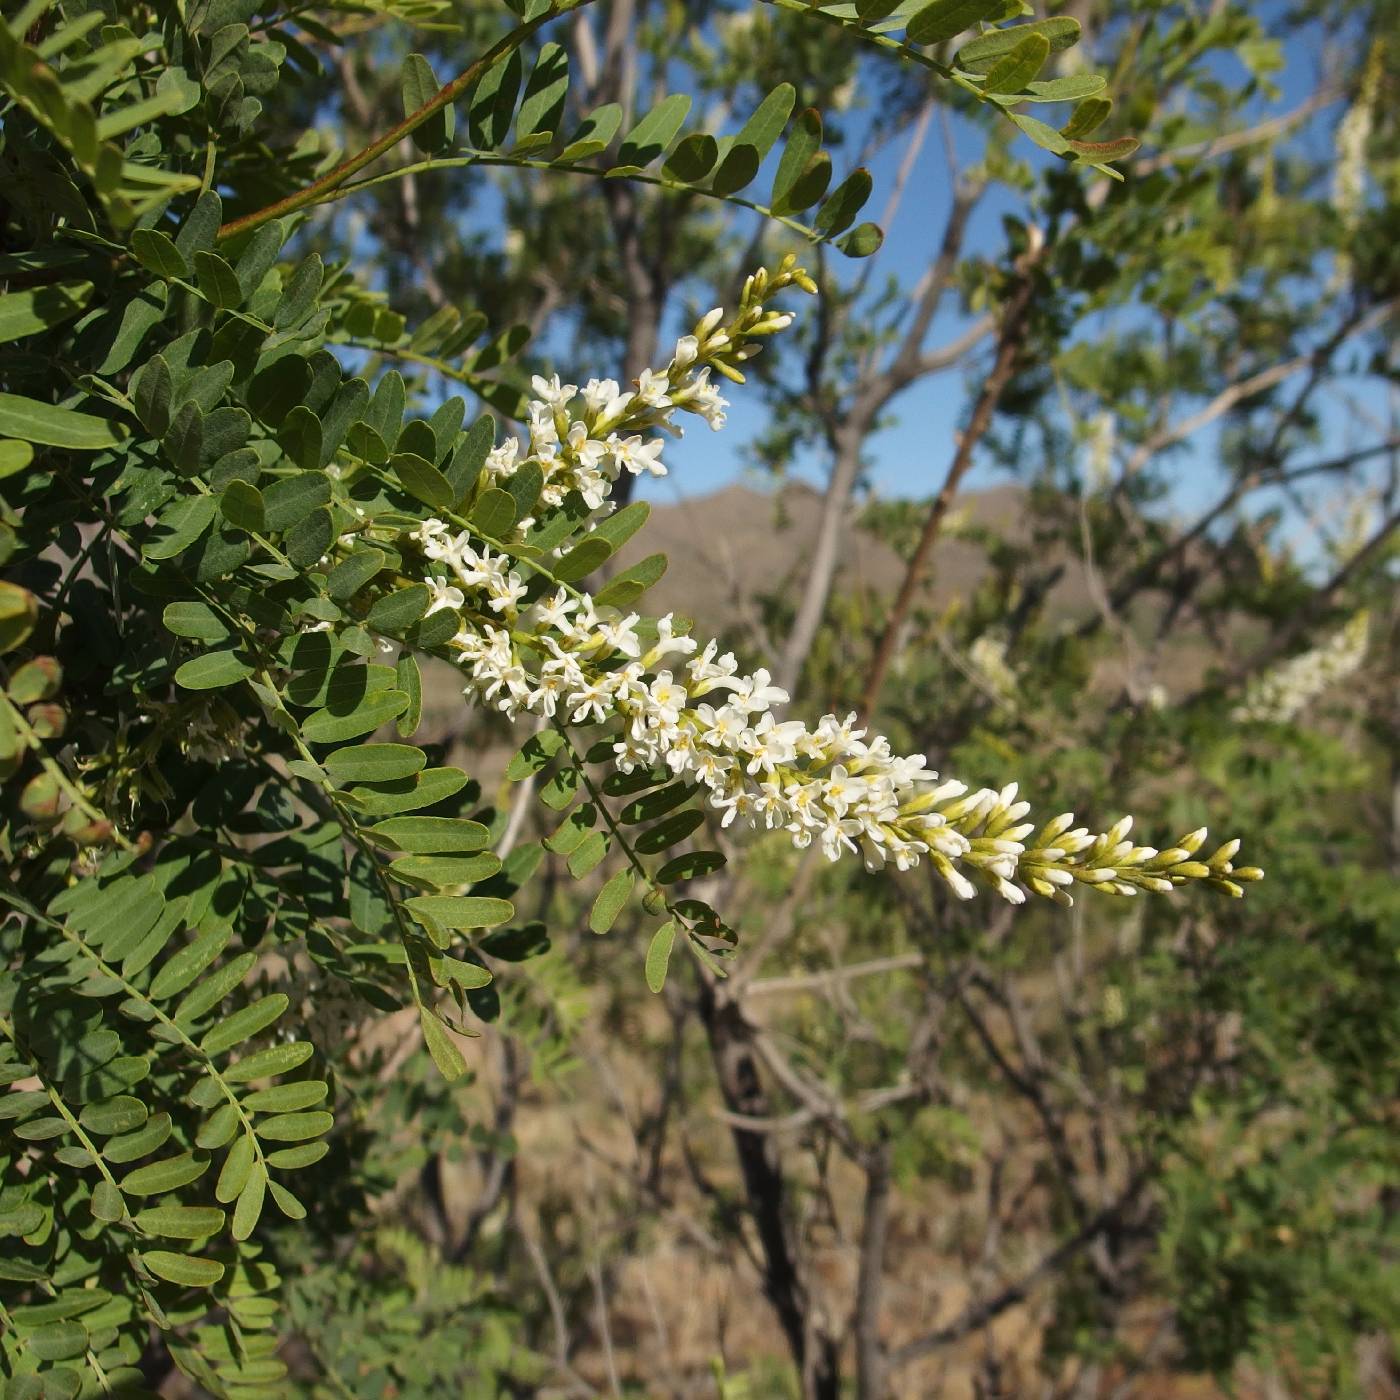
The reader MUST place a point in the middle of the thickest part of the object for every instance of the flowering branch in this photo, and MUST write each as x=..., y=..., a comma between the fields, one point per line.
x=676, y=705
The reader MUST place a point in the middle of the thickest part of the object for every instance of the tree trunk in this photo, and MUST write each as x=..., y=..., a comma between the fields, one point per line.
x=736, y=1068
x=825, y=557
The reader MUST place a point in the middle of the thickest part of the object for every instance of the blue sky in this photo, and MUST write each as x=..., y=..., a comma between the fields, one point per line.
x=910, y=457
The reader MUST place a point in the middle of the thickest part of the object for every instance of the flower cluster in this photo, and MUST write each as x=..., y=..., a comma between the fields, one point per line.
x=678, y=706
x=987, y=657
x=1353, y=135
x=584, y=439
x=1284, y=692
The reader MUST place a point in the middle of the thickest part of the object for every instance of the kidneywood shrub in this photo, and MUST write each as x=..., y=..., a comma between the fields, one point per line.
x=227, y=556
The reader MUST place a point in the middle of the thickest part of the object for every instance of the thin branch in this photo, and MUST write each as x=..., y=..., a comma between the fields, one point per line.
x=978, y=1315
x=1009, y=342
x=812, y=981
x=319, y=190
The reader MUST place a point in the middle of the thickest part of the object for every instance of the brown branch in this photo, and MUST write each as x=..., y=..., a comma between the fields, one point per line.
x=875, y=388
x=870, y=1351
x=1320, y=602
x=1151, y=568
x=318, y=190
x=765, y=1189
x=978, y=1315
x=1009, y=341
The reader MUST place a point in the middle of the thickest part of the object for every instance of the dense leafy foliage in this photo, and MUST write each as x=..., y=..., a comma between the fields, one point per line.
x=240, y=521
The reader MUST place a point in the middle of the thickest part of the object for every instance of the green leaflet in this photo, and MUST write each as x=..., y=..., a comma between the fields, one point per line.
x=184, y=1269
x=423, y=789
x=182, y=969
x=429, y=835
x=442, y=871
x=654, y=132
x=327, y=726
x=181, y=1222
x=446, y=1056
x=659, y=955
x=374, y=762
x=37, y=308
x=294, y=1127
x=32, y=421
x=461, y=911
x=611, y=901
x=286, y=1098
x=213, y=670
x=276, y=1059
x=167, y=1175
x=243, y=1024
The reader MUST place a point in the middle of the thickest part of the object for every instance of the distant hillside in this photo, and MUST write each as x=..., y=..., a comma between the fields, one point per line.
x=739, y=543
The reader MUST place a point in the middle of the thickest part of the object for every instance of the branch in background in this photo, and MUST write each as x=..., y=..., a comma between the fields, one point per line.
x=1318, y=604
x=874, y=390
x=765, y=1188
x=870, y=1351
x=1009, y=343
x=978, y=1315
x=449, y=93
x=1150, y=569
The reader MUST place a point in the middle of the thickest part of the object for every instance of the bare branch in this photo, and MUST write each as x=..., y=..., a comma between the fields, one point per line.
x=1009, y=341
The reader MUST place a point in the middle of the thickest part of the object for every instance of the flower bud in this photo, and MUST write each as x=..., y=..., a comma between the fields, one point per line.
x=41, y=799
x=38, y=679
x=47, y=721
x=1193, y=840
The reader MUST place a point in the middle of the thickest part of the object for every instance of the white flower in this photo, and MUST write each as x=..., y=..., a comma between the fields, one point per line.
x=665, y=700
x=832, y=784
x=635, y=455
x=653, y=389
x=443, y=595
x=687, y=349
x=667, y=643
x=1286, y=691
x=755, y=693
x=558, y=396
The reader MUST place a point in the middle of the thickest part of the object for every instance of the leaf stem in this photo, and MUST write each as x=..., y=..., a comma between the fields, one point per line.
x=319, y=191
